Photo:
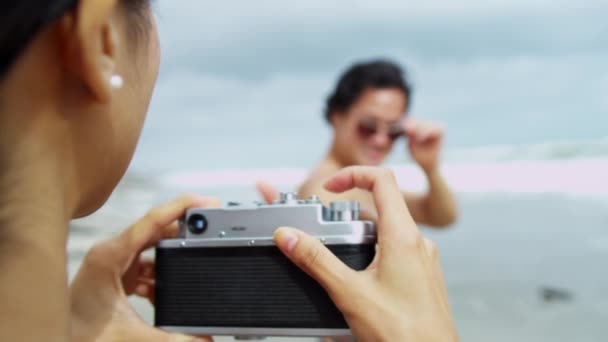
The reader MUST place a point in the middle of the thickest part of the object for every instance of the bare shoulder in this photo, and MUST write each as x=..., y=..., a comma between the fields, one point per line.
x=317, y=188
x=308, y=189
x=314, y=184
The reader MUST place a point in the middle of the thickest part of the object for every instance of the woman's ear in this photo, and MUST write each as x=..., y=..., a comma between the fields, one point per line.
x=90, y=38
x=337, y=118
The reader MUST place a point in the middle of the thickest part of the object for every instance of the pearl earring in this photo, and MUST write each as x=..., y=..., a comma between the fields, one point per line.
x=116, y=81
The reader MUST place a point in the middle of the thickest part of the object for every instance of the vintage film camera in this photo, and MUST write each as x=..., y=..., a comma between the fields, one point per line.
x=224, y=274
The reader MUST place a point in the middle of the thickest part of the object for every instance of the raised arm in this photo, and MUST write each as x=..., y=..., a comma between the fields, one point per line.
x=437, y=207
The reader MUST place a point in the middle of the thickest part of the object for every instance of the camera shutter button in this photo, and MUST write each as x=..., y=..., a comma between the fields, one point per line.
x=344, y=211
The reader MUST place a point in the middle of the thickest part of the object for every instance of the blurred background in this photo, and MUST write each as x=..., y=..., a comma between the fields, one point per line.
x=522, y=87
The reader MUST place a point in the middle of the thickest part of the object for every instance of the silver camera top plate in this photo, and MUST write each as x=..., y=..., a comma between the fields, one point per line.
x=255, y=224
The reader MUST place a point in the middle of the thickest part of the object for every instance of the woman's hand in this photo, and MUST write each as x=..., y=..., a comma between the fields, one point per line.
x=114, y=269
x=402, y=295
x=425, y=140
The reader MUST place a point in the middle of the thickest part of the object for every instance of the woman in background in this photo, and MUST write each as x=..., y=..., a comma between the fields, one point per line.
x=76, y=79
x=368, y=114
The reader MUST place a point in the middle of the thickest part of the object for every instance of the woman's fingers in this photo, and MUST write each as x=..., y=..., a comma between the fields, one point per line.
x=158, y=224
x=310, y=255
x=147, y=268
x=396, y=228
x=146, y=291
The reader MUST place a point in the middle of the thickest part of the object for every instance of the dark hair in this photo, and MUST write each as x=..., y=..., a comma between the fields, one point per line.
x=21, y=20
x=379, y=74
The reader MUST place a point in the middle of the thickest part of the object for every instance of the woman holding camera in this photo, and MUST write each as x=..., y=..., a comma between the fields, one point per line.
x=76, y=77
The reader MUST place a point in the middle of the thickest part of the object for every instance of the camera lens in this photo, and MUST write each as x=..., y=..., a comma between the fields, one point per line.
x=197, y=224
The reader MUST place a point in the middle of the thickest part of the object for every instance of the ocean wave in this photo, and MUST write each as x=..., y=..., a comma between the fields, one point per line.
x=554, y=150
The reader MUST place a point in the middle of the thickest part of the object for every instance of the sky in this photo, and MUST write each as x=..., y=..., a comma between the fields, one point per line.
x=245, y=82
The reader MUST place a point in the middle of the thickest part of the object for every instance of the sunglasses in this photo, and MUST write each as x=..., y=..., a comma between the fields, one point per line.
x=368, y=129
